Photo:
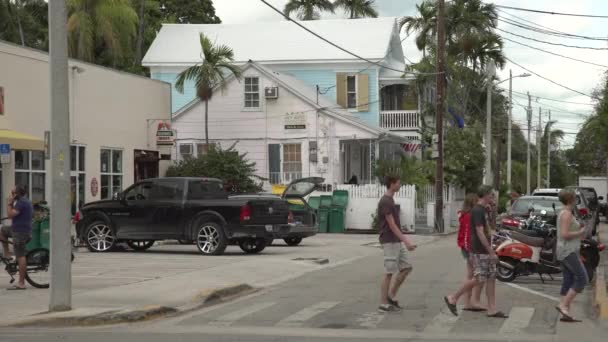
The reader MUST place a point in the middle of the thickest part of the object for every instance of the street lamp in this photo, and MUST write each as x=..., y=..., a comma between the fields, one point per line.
x=509, y=137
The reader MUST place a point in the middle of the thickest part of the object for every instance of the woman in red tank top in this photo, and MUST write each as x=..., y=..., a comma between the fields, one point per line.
x=472, y=299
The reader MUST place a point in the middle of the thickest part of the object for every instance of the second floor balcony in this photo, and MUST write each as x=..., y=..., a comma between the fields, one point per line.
x=399, y=108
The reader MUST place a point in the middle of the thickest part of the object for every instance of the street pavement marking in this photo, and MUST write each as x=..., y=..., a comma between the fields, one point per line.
x=234, y=316
x=442, y=323
x=371, y=319
x=298, y=319
x=525, y=289
x=519, y=319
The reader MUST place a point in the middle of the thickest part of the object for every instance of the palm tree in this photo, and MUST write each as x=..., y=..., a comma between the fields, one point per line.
x=308, y=9
x=106, y=25
x=425, y=24
x=212, y=72
x=358, y=8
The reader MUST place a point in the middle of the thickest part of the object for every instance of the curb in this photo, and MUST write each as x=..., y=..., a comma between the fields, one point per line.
x=204, y=299
x=600, y=299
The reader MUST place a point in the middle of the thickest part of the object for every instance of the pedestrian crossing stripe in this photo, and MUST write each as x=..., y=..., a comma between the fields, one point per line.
x=305, y=314
x=234, y=316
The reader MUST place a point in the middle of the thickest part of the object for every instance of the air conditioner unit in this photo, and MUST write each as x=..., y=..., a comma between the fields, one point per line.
x=271, y=92
x=185, y=149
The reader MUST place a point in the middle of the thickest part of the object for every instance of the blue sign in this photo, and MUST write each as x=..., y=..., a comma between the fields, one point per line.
x=5, y=153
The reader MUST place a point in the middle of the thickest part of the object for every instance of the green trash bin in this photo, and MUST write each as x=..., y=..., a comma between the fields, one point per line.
x=35, y=241
x=323, y=213
x=336, y=220
x=45, y=225
x=314, y=202
x=340, y=198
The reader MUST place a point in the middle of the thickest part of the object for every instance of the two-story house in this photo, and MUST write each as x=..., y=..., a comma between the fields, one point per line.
x=371, y=95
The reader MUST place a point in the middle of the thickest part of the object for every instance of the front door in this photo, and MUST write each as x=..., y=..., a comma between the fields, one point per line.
x=132, y=219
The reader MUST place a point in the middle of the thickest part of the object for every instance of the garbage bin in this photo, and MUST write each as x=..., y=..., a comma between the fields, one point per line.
x=340, y=198
x=35, y=241
x=336, y=220
x=314, y=202
x=324, y=211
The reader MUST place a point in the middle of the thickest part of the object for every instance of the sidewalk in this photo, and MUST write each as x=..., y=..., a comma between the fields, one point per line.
x=175, y=277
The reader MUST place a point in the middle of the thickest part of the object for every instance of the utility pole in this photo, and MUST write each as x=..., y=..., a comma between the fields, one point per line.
x=440, y=109
x=509, y=133
x=549, y=153
x=538, y=147
x=490, y=74
x=61, y=247
x=528, y=155
x=498, y=160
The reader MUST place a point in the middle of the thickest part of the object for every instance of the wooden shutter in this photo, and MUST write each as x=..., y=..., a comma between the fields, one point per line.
x=274, y=163
x=362, y=92
x=341, y=89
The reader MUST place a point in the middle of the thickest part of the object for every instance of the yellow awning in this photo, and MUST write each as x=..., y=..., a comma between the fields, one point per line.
x=21, y=141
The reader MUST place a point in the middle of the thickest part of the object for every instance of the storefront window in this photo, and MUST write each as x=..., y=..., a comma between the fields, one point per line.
x=30, y=173
x=77, y=179
x=111, y=172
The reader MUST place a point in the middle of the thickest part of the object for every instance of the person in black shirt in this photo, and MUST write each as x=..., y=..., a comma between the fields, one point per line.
x=482, y=257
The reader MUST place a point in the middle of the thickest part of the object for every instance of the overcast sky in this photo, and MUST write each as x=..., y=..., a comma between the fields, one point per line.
x=576, y=75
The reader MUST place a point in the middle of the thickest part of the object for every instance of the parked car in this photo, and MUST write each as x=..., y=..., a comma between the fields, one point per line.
x=523, y=206
x=593, y=202
x=304, y=221
x=187, y=209
x=546, y=192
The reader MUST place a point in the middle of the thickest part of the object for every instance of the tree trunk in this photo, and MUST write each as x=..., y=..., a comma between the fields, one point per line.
x=207, y=123
x=14, y=9
x=140, y=35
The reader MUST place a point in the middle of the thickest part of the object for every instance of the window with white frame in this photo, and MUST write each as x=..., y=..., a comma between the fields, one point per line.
x=252, y=92
x=292, y=162
x=77, y=177
x=30, y=173
x=351, y=92
x=202, y=149
x=185, y=151
x=111, y=172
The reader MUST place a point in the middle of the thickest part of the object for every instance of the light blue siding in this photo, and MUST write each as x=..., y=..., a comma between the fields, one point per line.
x=326, y=79
x=178, y=99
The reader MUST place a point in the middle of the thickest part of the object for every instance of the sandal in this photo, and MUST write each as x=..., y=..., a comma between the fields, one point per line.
x=565, y=317
x=498, y=314
x=475, y=309
x=15, y=288
x=451, y=306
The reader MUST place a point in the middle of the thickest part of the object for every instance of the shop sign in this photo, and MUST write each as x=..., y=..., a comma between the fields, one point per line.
x=164, y=134
x=295, y=120
x=94, y=187
x=5, y=153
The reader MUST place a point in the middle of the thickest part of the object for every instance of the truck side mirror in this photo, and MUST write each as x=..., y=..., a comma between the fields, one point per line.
x=601, y=198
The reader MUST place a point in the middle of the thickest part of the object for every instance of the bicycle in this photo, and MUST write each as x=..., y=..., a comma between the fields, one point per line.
x=37, y=272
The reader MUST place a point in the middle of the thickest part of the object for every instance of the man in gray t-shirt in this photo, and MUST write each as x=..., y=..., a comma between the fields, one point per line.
x=392, y=240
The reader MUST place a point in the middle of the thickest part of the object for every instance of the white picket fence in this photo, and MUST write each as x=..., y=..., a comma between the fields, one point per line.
x=415, y=206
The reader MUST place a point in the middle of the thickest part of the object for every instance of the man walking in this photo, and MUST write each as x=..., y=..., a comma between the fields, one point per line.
x=392, y=240
x=20, y=211
x=483, y=257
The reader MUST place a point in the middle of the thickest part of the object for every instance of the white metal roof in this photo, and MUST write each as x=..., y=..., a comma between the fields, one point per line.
x=275, y=41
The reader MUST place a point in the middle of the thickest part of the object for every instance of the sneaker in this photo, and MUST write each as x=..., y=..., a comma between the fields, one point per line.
x=394, y=303
x=388, y=308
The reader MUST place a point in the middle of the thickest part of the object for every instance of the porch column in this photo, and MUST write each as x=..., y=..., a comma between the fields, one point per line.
x=374, y=151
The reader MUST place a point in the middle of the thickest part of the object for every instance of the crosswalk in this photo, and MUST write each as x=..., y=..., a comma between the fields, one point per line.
x=322, y=313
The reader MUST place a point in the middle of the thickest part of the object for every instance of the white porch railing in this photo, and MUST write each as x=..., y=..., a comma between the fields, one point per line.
x=400, y=119
x=284, y=177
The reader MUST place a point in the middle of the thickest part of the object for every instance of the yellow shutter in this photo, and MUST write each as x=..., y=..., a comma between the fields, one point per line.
x=362, y=92
x=341, y=89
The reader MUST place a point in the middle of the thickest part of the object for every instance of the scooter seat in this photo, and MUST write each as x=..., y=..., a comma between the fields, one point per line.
x=528, y=240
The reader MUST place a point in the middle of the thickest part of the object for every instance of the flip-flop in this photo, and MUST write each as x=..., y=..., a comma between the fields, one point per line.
x=569, y=320
x=475, y=309
x=565, y=316
x=15, y=288
x=451, y=306
x=498, y=314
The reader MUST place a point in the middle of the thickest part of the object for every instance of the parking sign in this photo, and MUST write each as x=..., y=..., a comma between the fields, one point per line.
x=5, y=153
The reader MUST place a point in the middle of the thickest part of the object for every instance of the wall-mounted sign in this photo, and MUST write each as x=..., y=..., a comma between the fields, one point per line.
x=5, y=153
x=295, y=120
x=94, y=187
x=164, y=134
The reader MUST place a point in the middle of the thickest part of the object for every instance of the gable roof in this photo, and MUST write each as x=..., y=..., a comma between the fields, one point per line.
x=275, y=41
x=307, y=94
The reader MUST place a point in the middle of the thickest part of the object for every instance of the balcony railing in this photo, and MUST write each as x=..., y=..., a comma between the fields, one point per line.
x=283, y=177
x=400, y=120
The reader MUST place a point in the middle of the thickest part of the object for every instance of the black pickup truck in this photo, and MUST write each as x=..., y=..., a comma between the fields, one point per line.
x=192, y=209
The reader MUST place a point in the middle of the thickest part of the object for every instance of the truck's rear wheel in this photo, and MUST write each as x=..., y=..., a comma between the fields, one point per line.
x=210, y=238
x=293, y=241
x=252, y=246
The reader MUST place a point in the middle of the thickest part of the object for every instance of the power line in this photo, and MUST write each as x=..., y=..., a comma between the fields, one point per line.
x=550, y=32
x=550, y=80
x=553, y=13
x=550, y=99
x=538, y=25
x=551, y=43
x=338, y=46
x=553, y=53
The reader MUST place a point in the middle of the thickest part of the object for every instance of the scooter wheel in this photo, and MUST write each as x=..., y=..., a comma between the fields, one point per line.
x=505, y=273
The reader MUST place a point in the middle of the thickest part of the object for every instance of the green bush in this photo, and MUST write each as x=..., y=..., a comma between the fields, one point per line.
x=228, y=165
